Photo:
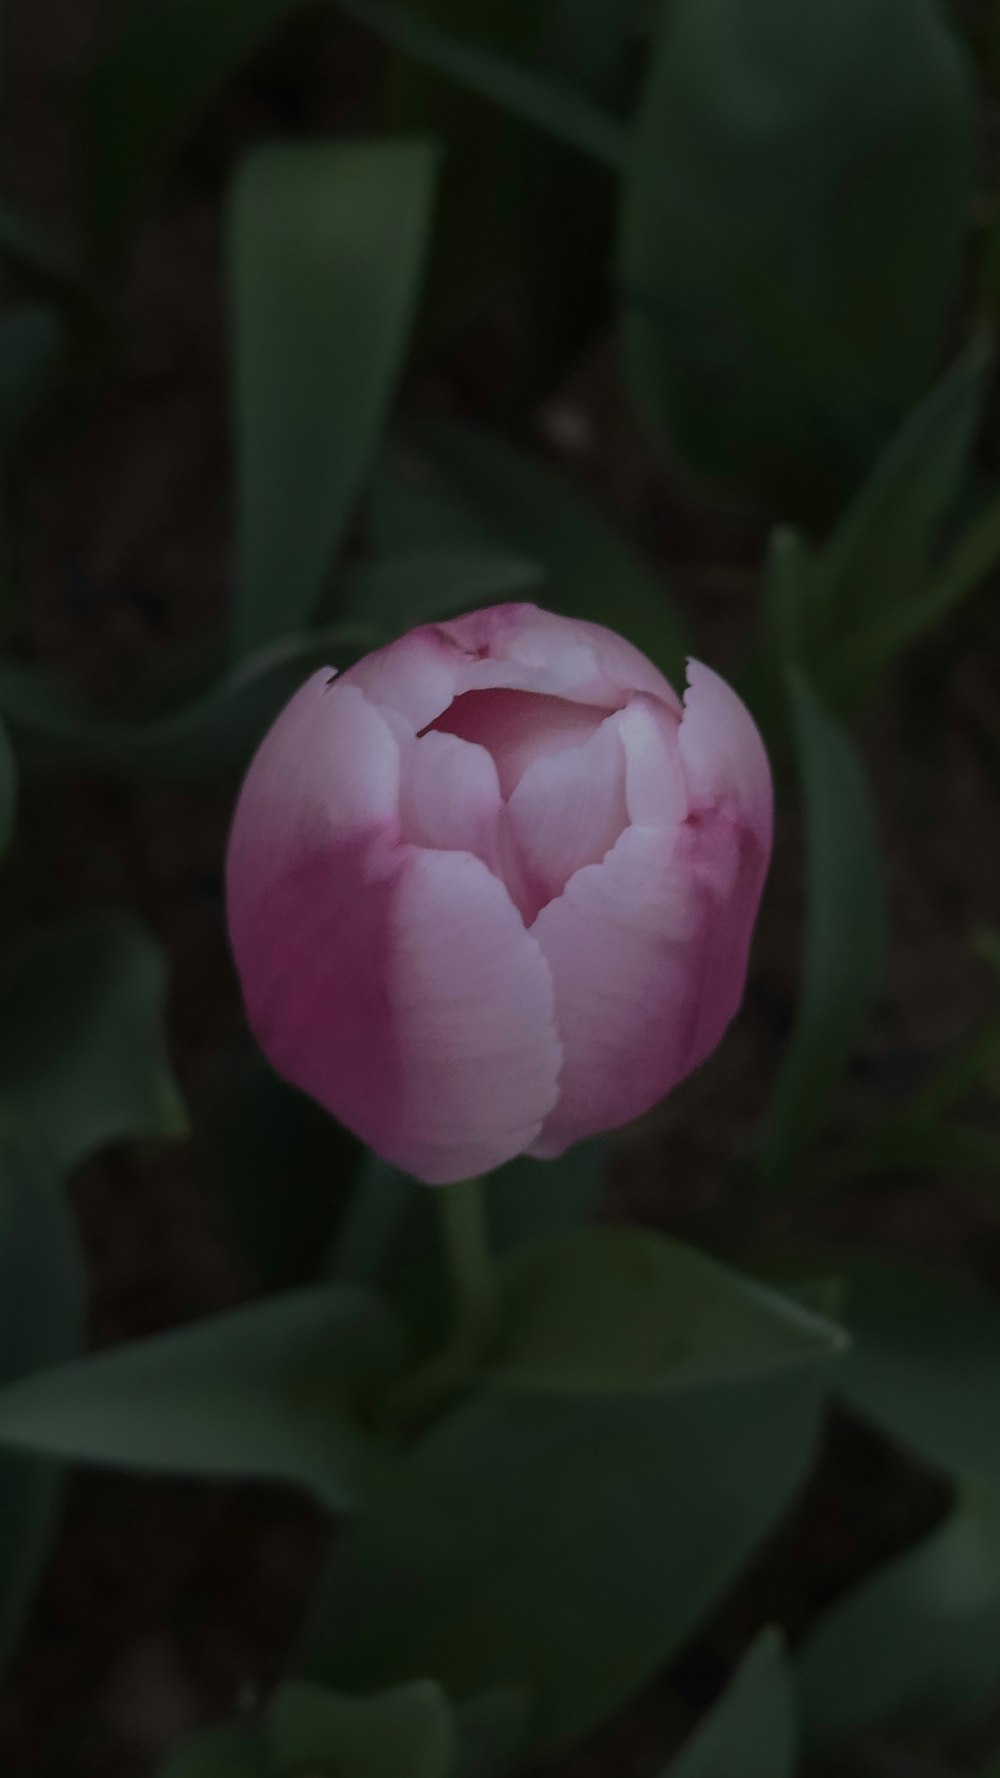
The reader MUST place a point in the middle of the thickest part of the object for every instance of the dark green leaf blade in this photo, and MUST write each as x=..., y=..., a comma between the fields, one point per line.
x=920, y=1639
x=751, y=1731
x=231, y=1751
x=272, y=1390
x=327, y=244
x=779, y=158
x=83, y=1057
x=845, y=931
x=409, y=1729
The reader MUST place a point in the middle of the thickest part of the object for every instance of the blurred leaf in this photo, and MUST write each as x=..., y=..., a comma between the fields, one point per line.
x=793, y=223
x=44, y=267
x=41, y=1323
x=449, y=487
x=327, y=244
x=550, y=104
x=919, y=1639
x=623, y=1310
x=277, y=1168
x=845, y=932
x=32, y=341
x=680, y=1405
x=272, y=1390
x=83, y=1060
x=923, y=1363
x=570, y=1545
x=218, y=733
x=148, y=90
x=529, y=1202
x=399, y=591
x=408, y=1730
x=492, y=1732
x=8, y=790
x=874, y=566
x=234, y=1751
x=751, y=1731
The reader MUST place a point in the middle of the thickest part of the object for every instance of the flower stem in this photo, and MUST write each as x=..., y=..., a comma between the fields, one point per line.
x=463, y=1227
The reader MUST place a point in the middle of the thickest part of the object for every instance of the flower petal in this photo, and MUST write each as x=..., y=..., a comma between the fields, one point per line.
x=724, y=758
x=518, y=726
x=450, y=798
x=579, y=660
x=655, y=784
x=567, y=811
x=472, y=1008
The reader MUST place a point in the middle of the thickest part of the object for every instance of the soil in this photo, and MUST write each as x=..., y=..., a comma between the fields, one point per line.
x=169, y=1605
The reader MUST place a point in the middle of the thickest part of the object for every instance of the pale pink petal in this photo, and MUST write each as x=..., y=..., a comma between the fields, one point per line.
x=580, y=660
x=518, y=726
x=655, y=784
x=624, y=943
x=415, y=677
x=310, y=877
x=472, y=1008
x=724, y=758
x=450, y=796
x=567, y=811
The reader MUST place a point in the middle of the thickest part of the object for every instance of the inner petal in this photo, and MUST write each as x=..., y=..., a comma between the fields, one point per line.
x=567, y=811
x=518, y=727
x=450, y=797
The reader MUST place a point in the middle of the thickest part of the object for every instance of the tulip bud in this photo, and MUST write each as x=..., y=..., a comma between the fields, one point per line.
x=492, y=890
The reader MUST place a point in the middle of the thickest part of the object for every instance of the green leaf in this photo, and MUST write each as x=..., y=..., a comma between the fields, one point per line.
x=550, y=104
x=570, y=1545
x=845, y=932
x=83, y=1059
x=778, y=160
x=664, y=1378
x=276, y=1168
x=751, y=1731
x=216, y=734
x=8, y=790
x=232, y=1751
x=327, y=245
x=32, y=343
x=273, y=1390
x=881, y=552
x=623, y=1310
x=403, y=590
x=445, y=487
x=44, y=266
x=492, y=1732
x=923, y=1363
x=146, y=94
x=409, y=1730
x=919, y=1639
x=41, y=1323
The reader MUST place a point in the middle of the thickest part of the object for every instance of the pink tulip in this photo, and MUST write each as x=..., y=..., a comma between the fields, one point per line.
x=492, y=889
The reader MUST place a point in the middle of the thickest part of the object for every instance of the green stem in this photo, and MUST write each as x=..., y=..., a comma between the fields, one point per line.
x=463, y=1226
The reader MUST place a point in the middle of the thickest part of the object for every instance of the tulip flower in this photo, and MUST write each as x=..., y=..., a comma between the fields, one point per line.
x=492, y=889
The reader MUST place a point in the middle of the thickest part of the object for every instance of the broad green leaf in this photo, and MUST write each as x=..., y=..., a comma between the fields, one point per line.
x=492, y=1733
x=400, y=591
x=276, y=1168
x=408, y=1730
x=881, y=553
x=923, y=1363
x=272, y=1390
x=845, y=932
x=216, y=734
x=919, y=1639
x=622, y=1310
x=83, y=1059
x=327, y=245
x=147, y=92
x=448, y=487
x=570, y=1545
x=751, y=1731
x=780, y=157
x=41, y=1323
x=550, y=104
x=232, y=1751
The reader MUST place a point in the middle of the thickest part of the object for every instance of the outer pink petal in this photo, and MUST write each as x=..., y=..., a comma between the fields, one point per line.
x=472, y=1007
x=655, y=784
x=310, y=880
x=567, y=811
x=622, y=942
x=724, y=758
